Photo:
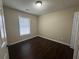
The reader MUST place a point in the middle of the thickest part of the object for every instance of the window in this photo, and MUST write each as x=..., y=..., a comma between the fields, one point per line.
x=24, y=25
x=1, y=28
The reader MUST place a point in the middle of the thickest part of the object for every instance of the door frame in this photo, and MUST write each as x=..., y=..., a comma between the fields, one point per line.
x=74, y=35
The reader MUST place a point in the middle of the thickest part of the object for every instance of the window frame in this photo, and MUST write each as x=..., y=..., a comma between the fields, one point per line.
x=29, y=25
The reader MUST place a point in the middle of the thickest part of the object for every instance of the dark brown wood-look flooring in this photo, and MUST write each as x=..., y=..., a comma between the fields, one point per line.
x=40, y=48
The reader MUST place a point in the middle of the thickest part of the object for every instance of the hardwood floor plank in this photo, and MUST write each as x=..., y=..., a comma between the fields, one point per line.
x=40, y=48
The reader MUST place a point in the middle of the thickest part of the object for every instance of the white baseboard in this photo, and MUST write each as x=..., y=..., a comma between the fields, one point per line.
x=21, y=40
x=39, y=36
x=55, y=40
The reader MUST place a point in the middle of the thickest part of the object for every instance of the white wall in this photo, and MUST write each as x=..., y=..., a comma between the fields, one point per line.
x=57, y=25
x=77, y=8
x=12, y=25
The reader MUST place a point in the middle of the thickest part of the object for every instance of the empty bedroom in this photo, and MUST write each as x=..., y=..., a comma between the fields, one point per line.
x=39, y=29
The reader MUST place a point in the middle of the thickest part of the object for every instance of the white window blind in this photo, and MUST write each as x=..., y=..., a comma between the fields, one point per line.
x=24, y=25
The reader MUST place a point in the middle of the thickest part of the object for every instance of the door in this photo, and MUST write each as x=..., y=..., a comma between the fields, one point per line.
x=3, y=41
x=75, y=36
x=78, y=38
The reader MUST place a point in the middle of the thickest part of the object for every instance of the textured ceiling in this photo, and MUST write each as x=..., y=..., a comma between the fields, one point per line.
x=48, y=5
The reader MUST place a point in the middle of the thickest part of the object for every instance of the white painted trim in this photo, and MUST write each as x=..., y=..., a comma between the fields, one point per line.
x=54, y=40
x=21, y=40
x=74, y=31
x=39, y=36
x=76, y=35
